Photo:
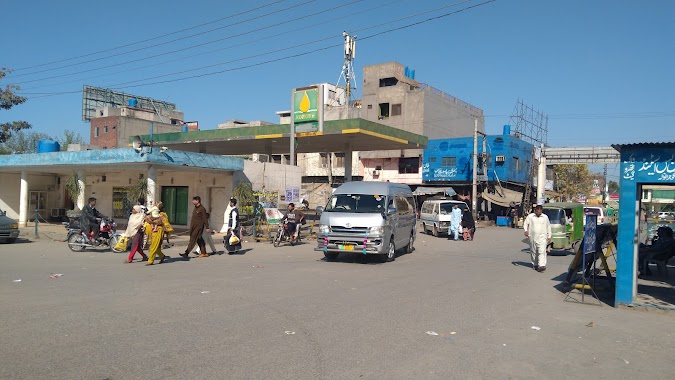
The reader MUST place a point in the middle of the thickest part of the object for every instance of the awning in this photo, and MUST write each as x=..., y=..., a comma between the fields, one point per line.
x=504, y=197
x=449, y=191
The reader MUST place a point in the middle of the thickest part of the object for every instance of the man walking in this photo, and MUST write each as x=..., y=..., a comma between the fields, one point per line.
x=199, y=222
x=455, y=221
x=538, y=229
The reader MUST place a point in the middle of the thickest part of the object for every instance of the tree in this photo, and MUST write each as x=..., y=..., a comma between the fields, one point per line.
x=9, y=99
x=21, y=142
x=613, y=187
x=573, y=180
x=69, y=137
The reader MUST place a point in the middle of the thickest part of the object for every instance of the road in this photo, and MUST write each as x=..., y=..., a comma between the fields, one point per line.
x=284, y=313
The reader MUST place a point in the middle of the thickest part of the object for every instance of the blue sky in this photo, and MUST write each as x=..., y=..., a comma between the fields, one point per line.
x=602, y=70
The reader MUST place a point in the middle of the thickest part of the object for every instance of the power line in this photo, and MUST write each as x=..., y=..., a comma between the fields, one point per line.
x=286, y=57
x=152, y=38
x=159, y=44
x=207, y=43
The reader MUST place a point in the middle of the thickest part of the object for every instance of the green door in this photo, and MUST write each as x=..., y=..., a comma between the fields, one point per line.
x=175, y=200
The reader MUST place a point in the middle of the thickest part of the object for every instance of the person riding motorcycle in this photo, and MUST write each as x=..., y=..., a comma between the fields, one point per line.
x=90, y=220
x=294, y=219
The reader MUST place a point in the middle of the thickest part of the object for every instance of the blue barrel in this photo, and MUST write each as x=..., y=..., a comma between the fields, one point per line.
x=47, y=146
x=133, y=102
x=507, y=130
x=185, y=128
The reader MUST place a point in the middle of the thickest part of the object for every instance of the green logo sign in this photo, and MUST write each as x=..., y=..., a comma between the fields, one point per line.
x=305, y=105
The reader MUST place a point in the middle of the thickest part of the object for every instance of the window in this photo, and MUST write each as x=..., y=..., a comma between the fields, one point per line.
x=96, y=132
x=401, y=204
x=387, y=82
x=339, y=160
x=384, y=110
x=324, y=160
x=105, y=129
x=516, y=162
x=432, y=159
x=395, y=110
x=408, y=165
x=370, y=106
x=449, y=161
x=276, y=158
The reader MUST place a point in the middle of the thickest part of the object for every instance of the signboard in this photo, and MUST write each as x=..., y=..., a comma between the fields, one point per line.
x=273, y=215
x=590, y=233
x=96, y=97
x=267, y=198
x=312, y=126
x=305, y=105
x=292, y=194
x=121, y=207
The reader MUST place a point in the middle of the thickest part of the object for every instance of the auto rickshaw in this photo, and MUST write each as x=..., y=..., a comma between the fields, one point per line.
x=567, y=223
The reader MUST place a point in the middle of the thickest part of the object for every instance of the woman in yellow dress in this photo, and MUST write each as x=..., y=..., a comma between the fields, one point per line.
x=168, y=228
x=157, y=234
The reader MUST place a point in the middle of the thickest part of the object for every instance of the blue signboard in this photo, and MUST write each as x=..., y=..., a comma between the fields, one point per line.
x=590, y=234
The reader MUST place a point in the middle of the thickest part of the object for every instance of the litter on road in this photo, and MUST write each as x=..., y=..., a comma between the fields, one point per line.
x=432, y=333
x=535, y=328
x=206, y=292
x=289, y=332
x=56, y=275
x=19, y=280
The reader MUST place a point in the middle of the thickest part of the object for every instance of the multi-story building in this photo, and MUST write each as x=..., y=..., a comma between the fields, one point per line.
x=112, y=126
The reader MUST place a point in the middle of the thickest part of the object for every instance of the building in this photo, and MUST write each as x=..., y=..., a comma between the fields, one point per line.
x=111, y=127
x=392, y=97
x=170, y=176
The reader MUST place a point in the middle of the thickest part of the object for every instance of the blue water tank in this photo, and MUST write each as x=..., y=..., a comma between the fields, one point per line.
x=185, y=128
x=133, y=102
x=507, y=130
x=47, y=146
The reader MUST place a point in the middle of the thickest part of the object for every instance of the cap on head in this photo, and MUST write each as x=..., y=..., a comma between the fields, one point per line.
x=233, y=200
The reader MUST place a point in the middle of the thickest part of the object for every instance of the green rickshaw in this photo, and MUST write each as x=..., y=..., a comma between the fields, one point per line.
x=567, y=223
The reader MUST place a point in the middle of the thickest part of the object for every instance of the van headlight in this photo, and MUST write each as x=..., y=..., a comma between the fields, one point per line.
x=379, y=230
x=324, y=229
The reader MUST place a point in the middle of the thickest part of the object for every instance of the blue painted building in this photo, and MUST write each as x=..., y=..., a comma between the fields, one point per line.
x=450, y=160
x=641, y=164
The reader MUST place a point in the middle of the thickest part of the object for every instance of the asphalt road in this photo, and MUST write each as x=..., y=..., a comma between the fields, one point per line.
x=284, y=313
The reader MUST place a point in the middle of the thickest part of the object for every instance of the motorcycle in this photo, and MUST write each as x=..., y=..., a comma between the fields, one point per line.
x=78, y=240
x=283, y=235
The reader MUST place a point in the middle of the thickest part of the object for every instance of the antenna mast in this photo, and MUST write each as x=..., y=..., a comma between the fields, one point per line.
x=347, y=72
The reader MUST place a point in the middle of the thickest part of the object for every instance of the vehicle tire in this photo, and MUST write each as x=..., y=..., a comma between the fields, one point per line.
x=435, y=231
x=424, y=228
x=410, y=247
x=391, y=253
x=76, y=239
x=113, y=243
x=331, y=256
x=11, y=240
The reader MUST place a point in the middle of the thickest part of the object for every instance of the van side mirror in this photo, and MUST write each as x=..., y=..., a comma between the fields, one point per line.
x=391, y=210
x=319, y=209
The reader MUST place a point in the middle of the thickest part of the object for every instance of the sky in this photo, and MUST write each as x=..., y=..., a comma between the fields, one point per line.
x=602, y=70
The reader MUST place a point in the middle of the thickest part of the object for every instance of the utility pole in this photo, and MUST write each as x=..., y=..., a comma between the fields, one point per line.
x=474, y=187
x=604, y=194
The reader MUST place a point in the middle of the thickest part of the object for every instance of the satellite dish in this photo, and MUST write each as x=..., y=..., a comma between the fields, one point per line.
x=138, y=144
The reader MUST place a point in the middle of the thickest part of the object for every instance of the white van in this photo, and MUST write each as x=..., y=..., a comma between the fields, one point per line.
x=373, y=218
x=435, y=215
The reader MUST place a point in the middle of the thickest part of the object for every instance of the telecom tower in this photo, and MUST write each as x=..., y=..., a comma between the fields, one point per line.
x=347, y=73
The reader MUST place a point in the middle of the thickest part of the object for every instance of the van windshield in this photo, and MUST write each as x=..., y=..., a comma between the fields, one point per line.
x=365, y=203
x=555, y=215
x=446, y=208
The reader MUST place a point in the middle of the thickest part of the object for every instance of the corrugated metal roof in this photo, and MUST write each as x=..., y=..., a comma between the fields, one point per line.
x=618, y=147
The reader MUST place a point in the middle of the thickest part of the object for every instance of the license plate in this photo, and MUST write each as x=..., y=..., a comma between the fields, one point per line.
x=347, y=247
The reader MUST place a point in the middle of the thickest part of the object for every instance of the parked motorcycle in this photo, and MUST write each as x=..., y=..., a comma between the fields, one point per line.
x=78, y=240
x=283, y=235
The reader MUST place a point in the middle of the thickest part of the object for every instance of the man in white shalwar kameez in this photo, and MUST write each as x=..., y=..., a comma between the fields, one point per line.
x=538, y=228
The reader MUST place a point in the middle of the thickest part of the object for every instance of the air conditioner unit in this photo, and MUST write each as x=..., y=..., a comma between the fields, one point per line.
x=263, y=158
x=376, y=172
x=501, y=158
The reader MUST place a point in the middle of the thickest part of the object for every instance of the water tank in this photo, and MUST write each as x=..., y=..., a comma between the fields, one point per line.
x=185, y=128
x=46, y=146
x=507, y=130
x=133, y=102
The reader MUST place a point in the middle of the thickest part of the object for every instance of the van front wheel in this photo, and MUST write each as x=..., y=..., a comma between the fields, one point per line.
x=391, y=253
x=409, y=248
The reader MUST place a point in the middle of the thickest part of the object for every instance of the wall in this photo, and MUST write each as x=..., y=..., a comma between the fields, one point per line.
x=104, y=140
x=389, y=171
x=640, y=164
x=462, y=150
x=10, y=187
x=311, y=165
x=121, y=128
x=269, y=176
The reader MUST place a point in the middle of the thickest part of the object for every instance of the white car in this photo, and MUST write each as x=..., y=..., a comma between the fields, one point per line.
x=666, y=215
